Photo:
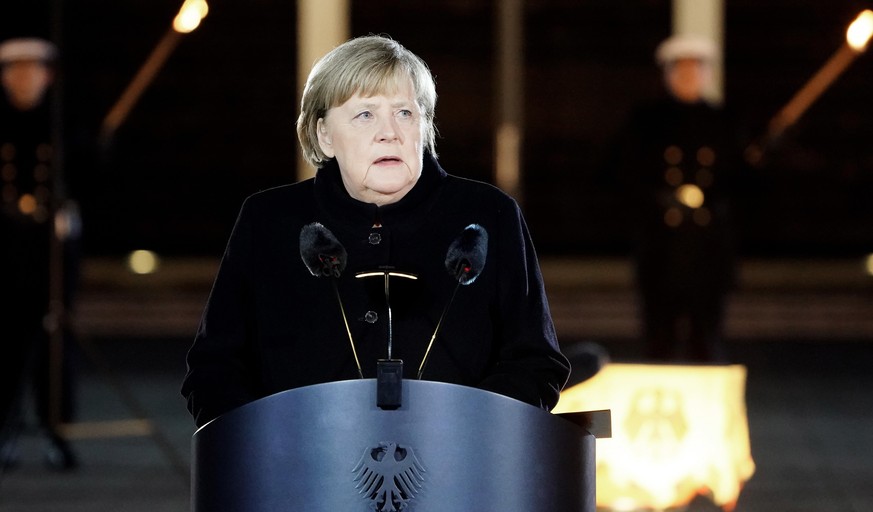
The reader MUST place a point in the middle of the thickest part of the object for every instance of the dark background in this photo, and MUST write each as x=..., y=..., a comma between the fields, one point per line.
x=217, y=123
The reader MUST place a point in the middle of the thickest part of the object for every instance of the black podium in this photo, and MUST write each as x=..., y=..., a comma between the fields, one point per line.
x=448, y=448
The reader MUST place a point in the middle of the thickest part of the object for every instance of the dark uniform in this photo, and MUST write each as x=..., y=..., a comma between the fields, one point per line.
x=25, y=156
x=680, y=163
x=27, y=198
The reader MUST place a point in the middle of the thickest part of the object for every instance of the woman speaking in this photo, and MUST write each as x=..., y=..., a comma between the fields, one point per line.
x=323, y=278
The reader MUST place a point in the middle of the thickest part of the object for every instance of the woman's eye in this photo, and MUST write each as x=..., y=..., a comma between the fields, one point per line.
x=365, y=115
x=405, y=114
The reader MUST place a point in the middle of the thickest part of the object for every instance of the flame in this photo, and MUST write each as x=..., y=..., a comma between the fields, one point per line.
x=190, y=15
x=859, y=32
x=677, y=431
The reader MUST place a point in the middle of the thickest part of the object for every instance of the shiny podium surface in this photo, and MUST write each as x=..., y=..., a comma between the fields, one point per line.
x=448, y=448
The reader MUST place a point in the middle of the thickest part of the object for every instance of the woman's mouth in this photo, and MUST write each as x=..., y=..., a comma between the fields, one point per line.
x=388, y=160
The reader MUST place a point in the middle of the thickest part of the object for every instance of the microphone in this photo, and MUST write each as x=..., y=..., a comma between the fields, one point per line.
x=325, y=256
x=466, y=256
x=322, y=253
x=464, y=261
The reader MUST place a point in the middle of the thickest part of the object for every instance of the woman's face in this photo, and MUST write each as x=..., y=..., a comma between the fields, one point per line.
x=687, y=78
x=25, y=83
x=377, y=142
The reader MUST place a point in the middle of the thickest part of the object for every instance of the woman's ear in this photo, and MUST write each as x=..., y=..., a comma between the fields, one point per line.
x=324, y=139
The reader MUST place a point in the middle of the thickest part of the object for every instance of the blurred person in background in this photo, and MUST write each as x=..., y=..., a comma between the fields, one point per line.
x=680, y=162
x=32, y=225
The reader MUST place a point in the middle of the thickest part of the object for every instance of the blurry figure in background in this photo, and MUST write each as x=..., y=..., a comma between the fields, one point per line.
x=32, y=226
x=680, y=159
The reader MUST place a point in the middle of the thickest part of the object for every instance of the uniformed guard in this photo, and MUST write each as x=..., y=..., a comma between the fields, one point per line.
x=680, y=160
x=28, y=202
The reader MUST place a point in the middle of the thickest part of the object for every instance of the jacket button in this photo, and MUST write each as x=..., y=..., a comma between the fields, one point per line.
x=371, y=317
x=375, y=238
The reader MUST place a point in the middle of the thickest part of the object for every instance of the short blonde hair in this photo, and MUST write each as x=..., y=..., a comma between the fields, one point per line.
x=366, y=65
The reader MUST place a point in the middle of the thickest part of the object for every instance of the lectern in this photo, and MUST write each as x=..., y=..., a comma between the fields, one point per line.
x=447, y=448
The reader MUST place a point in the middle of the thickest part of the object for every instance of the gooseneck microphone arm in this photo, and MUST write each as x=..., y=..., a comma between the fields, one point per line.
x=437, y=330
x=346, y=323
x=324, y=256
x=464, y=262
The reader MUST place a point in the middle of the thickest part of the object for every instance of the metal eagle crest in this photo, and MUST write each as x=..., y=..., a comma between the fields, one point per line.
x=389, y=476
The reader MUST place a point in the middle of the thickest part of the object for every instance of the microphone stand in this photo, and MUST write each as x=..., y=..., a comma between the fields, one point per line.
x=436, y=331
x=389, y=372
x=348, y=331
x=331, y=268
x=462, y=269
x=390, y=316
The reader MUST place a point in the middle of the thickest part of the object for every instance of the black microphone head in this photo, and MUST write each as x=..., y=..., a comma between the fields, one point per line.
x=466, y=256
x=321, y=252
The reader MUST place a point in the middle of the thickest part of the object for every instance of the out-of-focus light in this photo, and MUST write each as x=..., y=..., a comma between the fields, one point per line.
x=190, y=15
x=859, y=32
x=673, y=155
x=690, y=195
x=677, y=431
x=673, y=217
x=27, y=204
x=143, y=262
x=868, y=264
x=673, y=176
x=706, y=156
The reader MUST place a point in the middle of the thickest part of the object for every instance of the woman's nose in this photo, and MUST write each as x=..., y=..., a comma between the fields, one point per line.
x=387, y=130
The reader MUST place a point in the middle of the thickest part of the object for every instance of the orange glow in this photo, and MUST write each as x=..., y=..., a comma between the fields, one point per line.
x=673, y=217
x=677, y=431
x=673, y=155
x=706, y=156
x=690, y=195
x=673, y=176
x=27, y=204
x=857, y=36
x=190, y=15
x=859, y=32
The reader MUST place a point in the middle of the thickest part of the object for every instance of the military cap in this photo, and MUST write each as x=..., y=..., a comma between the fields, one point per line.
x=685, y=47
x=27, y=48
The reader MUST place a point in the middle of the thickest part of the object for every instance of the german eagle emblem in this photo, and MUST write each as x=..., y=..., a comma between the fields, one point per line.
x=389, y=476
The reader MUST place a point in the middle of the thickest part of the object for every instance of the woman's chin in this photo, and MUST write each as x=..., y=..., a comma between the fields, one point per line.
x=385, y=194
x=389, y=187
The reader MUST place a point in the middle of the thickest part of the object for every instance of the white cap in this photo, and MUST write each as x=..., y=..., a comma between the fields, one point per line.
x=27, y=48
x=685, y=47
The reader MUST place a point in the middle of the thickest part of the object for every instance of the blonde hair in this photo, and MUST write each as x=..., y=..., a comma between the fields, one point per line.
x=367, y=65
